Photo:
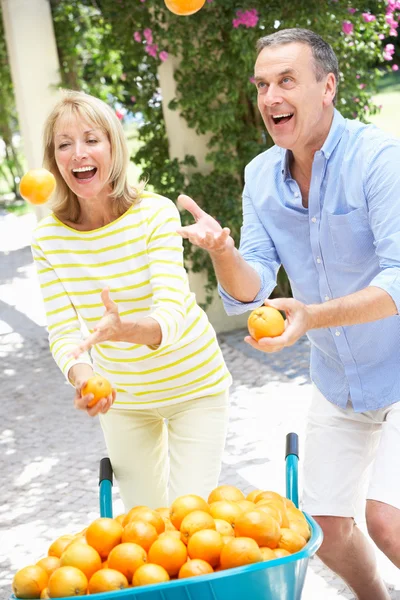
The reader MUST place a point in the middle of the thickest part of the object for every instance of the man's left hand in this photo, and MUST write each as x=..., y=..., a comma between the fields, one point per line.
x=298, y=322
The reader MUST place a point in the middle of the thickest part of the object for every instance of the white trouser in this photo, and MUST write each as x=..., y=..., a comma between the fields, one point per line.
x=160, y=454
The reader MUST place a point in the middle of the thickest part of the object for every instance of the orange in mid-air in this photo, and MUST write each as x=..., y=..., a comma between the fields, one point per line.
x=99, y=386
x=265, y=321
x=184, y=7
x=37, y=185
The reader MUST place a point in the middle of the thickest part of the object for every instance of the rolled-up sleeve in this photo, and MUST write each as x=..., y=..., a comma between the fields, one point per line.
x=258, y=250
x=382, y=189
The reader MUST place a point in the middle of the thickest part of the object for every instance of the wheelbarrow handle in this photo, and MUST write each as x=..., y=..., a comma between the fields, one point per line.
x=105, y=483
x=292, y=460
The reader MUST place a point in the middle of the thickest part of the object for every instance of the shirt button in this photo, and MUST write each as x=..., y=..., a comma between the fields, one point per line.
x=296, y=194
x=314, y=220
x=318, y=259
x=327, y=298
x=337, y=333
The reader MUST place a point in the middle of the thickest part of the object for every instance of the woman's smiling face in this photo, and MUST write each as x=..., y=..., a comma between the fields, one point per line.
x=83, y=156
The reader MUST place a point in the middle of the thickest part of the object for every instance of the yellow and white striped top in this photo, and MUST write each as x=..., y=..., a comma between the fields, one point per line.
x=139, y=257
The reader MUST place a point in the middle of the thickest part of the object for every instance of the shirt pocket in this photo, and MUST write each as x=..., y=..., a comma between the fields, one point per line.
x=352, y=238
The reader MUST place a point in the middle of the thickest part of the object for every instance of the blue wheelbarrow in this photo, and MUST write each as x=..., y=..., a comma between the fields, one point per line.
x=278, y=579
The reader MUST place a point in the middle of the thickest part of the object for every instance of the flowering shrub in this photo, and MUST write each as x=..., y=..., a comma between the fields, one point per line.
x=215, y=90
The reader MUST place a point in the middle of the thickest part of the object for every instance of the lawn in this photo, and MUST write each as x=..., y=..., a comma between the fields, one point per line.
x=389, y=97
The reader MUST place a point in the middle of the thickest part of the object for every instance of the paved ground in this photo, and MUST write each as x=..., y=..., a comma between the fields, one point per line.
x=49, y=452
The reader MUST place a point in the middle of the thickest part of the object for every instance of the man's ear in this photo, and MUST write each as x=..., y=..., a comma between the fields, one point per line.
x=330, y=89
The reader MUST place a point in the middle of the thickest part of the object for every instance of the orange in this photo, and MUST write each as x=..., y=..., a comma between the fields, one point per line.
x=280, y=506
x=267, y=553
x=280, y=552
x=206, y=544
x=240, y=551
x=59, y=545
x=150, y=573
x=184, y=7
x=246, y=505
x=168, y=552
x=268, y=495
x=225, y=510
x=172, y=532
x=183, y=505
x=107, y=580
x=149, y=516
x=259, y=526
x=140, y=532
x=225, y=492
x=37, y=185
x=99, y=386
x=44, y=594
x=83, y=557
x=129, y=515
x=30, y=581
x=300, y=527
x=224, y=528
x=291, y=541
x=194, y=521
x=265, y=321
x=195, y=567
x=49, y=564
x=120, y=518
x=294, y=513
x=252, y=495
x=103, y=534
x=271, y=510
x=126, y=558
x=67, y=581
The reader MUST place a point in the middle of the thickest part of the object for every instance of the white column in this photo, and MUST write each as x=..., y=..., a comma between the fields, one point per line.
x=183, y=140
x=33, y=58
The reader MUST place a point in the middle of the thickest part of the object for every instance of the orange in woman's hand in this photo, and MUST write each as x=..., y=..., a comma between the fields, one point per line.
x=37, y=185
x=265, y=321
x=99, y=386
x=184, y=7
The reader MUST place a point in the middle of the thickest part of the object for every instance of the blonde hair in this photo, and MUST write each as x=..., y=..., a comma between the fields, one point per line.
x=72, y=103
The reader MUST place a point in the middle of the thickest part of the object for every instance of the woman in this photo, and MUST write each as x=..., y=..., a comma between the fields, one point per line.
x=111, y=263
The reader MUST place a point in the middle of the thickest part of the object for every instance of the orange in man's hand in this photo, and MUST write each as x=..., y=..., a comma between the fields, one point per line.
x=99, y=386
x=184, y=7
x=37, y=185
x=265, y=321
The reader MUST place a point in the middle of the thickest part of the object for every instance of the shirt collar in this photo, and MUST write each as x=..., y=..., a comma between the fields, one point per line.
x=334, y=135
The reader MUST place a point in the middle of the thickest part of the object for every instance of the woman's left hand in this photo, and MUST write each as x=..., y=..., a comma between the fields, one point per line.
x=107, y=330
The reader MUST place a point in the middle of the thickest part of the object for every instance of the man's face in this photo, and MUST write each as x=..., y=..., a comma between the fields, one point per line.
x=295, y=107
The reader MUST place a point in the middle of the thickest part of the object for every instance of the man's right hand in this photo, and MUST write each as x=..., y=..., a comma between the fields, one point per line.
x=206, y=232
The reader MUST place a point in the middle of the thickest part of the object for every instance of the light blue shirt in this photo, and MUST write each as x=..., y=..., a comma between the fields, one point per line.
x=347, y=239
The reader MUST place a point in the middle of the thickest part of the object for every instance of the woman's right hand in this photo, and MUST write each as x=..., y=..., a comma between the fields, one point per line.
x=78, y=376
x=81, y=402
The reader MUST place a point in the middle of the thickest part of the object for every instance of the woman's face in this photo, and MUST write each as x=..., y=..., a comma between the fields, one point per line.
x=83, y=157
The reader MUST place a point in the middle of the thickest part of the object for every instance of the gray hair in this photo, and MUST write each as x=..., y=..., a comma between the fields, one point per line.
x=325, y=60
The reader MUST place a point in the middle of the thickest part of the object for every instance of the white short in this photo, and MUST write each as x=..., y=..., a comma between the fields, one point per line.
x=350, y=457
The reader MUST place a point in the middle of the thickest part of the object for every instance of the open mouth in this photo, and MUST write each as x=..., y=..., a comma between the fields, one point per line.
x=282, y=118
x=84, y=172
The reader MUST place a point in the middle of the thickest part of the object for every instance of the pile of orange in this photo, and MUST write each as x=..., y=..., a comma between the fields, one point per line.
x=144, y=546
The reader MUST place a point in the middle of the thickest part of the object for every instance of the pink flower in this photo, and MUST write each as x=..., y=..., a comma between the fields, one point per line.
x=252, y=80
x=368, y=18
x=347, y=27
x=358, y=76
x=148, y=35
x=387, y=56
x=248, y=18
x=381, y=36
x=152, y=50
x=137, y=36
x=133, y=98
x=142, y=0
x=351, y=10
x=163, y=56
x=395, y=67
x=119, y=114
x=361, y=86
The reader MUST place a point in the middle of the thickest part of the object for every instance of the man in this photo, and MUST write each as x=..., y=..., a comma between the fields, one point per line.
x=325, y=203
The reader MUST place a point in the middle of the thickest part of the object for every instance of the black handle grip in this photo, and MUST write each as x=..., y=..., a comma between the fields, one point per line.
x=106, y=471
x=292, y=444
